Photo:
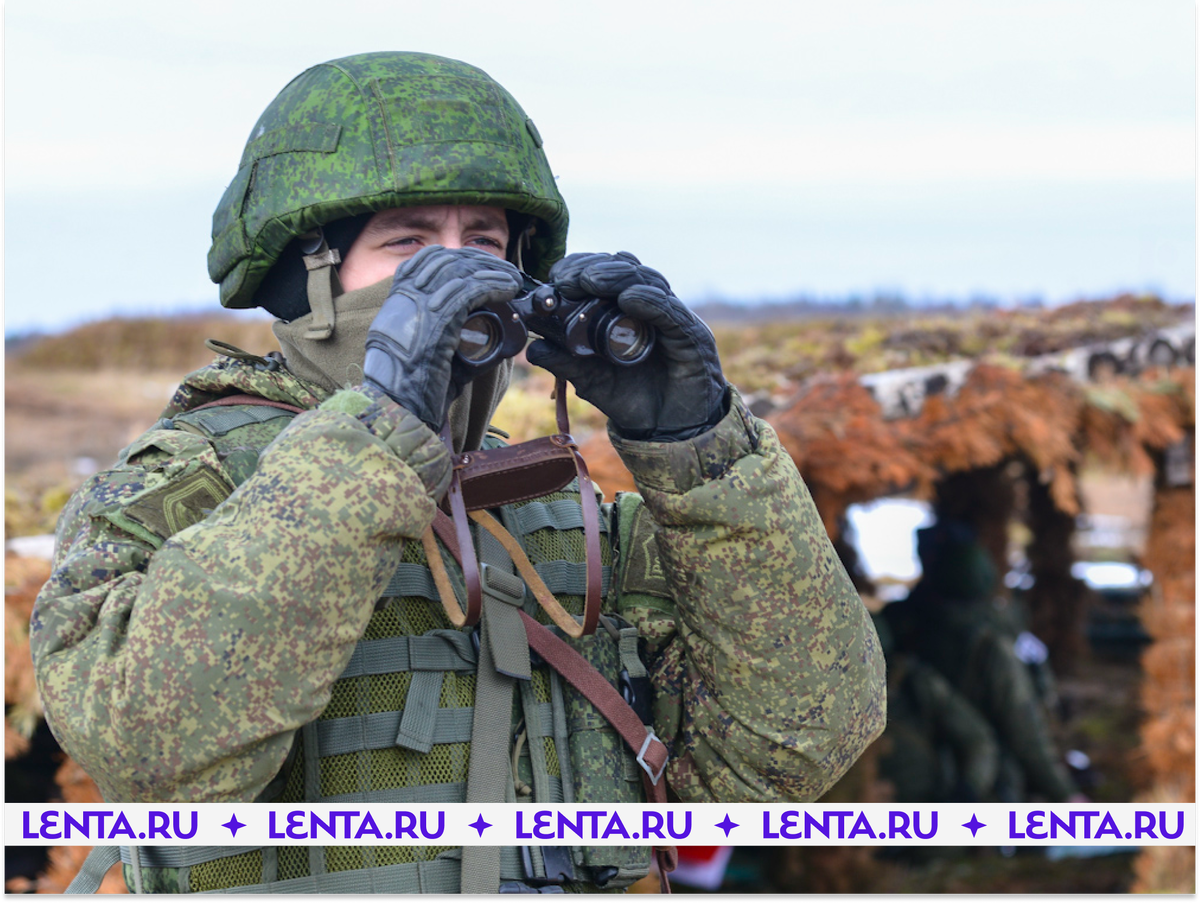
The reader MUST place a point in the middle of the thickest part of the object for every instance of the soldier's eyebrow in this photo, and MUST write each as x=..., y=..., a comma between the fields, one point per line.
x=489, y=220
x=416, y=218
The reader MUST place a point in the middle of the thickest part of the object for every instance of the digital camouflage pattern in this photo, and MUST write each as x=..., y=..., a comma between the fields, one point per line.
x=373, y=131
x=776, y=664
x=178, y=652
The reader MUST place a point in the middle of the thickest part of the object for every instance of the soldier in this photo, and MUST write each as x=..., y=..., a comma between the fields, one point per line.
x=252, y=605
x=948, y=621
x=939, y=749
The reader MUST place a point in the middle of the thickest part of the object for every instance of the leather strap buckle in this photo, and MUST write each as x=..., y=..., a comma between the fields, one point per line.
x=655, y=776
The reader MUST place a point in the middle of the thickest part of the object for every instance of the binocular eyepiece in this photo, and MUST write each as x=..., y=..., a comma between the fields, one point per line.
x=585, y=328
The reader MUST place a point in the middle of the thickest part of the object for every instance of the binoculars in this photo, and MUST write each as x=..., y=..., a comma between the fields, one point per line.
x=586, y=327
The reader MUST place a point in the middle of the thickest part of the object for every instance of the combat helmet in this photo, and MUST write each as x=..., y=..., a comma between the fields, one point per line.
x=356, y=135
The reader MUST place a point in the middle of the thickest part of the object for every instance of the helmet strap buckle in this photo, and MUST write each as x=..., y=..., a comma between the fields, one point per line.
x=323, y=283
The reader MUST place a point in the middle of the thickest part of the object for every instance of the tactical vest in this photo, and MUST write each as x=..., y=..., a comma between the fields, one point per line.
x=398, y=725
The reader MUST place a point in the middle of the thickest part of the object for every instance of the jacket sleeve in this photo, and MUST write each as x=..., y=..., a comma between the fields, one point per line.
x=773, y=683
x=176, y=665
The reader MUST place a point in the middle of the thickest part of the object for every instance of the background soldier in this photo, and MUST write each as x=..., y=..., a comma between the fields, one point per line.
x=949, y=622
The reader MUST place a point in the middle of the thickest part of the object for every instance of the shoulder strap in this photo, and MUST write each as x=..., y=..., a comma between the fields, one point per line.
x=248, y=399
x=93, y=870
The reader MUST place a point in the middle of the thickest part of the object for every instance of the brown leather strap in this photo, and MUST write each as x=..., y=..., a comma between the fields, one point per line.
x=591, y=535
x=466, y=548
x=444, y=528
x=559, y=615
x=467, y=558
x=248, y=399
x=560, y=406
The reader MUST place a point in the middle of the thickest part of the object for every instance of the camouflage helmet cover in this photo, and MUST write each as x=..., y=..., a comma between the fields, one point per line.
x=373, y=131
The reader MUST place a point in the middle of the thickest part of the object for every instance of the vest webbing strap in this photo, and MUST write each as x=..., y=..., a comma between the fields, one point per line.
x=420, y=721
x=379, y=730
x=179, y=857
x=446, y=650
x=489, y=779
x=567, y=578
x=221, y=423
x=93, y=870
x=561, y=514
x=438, y=876
x=539, y=728
x=503, y=657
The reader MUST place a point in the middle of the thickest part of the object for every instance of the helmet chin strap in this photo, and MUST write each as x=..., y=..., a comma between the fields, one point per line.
x=524, y=240
x=323, y=283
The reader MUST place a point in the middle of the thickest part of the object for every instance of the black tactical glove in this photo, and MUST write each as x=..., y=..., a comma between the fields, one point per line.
x=411, y=343
x=676, y=393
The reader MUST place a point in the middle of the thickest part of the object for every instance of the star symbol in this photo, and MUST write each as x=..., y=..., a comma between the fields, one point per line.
x=480, y=825
x=233, y=824
x=974, y=824
x=727, y=825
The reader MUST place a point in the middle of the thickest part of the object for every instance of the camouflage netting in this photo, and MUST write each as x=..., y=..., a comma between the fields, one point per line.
x=991, y=389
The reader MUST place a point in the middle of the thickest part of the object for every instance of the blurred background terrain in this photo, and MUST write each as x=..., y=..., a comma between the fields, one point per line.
x=1067, y=433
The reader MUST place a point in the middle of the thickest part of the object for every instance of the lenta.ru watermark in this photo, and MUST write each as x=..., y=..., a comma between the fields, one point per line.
x=462, y=824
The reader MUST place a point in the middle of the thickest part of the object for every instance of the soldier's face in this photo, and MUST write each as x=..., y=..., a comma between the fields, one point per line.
x=392, y=236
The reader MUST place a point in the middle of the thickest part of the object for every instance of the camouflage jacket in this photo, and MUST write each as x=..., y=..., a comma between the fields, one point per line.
x=173, y=667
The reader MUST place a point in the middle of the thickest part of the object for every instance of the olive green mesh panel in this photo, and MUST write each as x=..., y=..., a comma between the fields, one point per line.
x=458, y=690
x=411, y=616
x=293, y=862
x=445, y=763
x=541, y=684
x=344, y=698
x=293, y=791
x=228, y=871
x=389, y=691
x=343, y=859
x=392, y=855
x=342, y=774
x=551, y=757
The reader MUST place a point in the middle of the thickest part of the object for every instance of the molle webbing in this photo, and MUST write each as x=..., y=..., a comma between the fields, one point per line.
x=561, y=578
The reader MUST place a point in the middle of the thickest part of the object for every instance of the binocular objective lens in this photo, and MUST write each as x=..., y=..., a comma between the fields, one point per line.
x=480, y=337
x=627, y=339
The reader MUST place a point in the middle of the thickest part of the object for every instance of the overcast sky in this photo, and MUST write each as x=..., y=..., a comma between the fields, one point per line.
x=936, y=148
